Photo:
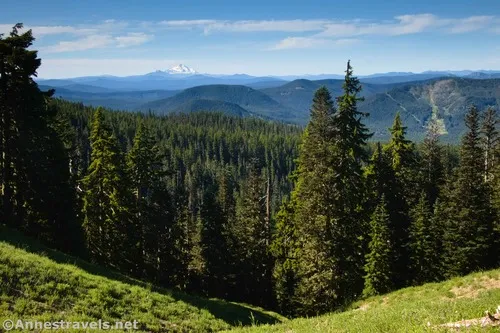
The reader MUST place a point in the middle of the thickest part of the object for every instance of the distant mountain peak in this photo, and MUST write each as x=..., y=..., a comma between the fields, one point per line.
x=181, y=69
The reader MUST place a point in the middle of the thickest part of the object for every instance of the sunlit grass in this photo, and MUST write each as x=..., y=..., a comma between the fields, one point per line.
x=37, y=287
x=415, y=309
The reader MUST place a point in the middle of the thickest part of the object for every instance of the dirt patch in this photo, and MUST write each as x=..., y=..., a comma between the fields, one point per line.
x=489, y=320
x=363, y=307
x=473, y=290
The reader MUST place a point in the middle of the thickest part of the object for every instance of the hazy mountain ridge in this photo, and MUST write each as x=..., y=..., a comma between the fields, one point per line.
x=444, y=98
x=251, y=100
x=182, y=77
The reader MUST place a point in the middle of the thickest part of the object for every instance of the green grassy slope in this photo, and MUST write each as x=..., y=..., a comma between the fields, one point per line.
x=45, y=285
x=415, y=309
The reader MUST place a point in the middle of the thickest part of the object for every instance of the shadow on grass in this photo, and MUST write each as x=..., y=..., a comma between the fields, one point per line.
x=232, y=313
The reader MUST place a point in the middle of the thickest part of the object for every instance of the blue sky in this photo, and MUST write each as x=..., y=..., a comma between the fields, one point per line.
x=78, y=38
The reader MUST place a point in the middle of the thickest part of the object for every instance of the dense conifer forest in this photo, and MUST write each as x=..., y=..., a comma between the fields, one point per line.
x=304, y=221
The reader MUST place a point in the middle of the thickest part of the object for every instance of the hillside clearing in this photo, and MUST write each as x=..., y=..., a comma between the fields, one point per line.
x=433, y=307
x=50, y=286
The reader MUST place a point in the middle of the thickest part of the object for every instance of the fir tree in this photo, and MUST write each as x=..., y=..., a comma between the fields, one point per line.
x=490, y=140
x=214, y=243
x=424, y=246
x=154, y=218
x=400, y=149
x=401, y=153
x=106, y=201
x=34, y=170
x=381, y=181
x=330, y=194
x=431, y=164
x=284, y=250
x=253, y=254
x=379, y=265
x=469, y=232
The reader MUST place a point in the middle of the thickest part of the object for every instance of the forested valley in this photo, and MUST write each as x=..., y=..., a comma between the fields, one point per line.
x=300, y=220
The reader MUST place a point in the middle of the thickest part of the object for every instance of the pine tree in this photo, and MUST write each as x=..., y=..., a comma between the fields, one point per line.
x=34, y=170
x=330, y=193
x=214, y=243
x=381, y=181
x=489, y=132
x=491, y=149
x=424, y=244
x=254, y=261
x=379, y=267
x=106, y=201
x=284, y=250
x=402, y=155
x=431, y=164
x=400, y=149
x=469, y=232
x=154, y=217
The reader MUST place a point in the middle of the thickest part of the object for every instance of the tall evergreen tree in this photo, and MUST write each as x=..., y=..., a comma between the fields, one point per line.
x=253, y=253
x=379, y=266
x=214, y=243
x=106, y=198
x=490, y=141
x=34, y=169
x=469, y=232
x=330, y=194
x=154, y=221
x=424, y=244
x=381, y=181
x=284, y=249
x=400, y=149
x=431, y=163
x=402, y=154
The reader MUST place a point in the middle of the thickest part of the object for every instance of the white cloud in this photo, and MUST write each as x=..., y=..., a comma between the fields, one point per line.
x=49, y=30
x=133, y=39
x=98, y=42
x=402, y=25
x=86, y=43
x=337, y=33
x=472, y=23
x=209, y=26
x=399, y=25
x=407, y=24
x=187, y=23
x=267, y=26
x=310, y=42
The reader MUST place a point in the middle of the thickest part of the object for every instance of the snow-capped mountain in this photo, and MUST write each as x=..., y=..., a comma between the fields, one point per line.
x=181, y=69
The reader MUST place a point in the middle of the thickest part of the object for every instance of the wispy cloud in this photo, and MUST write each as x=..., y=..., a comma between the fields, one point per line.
x=404, y=25
x=303, y=33
x=336, y=33
x=310, y=42
x=133, y=39
x=209, y=26
x=39, y=31
x=98, y=42
x=86, y=43
x=399, y=25
x=473, y=23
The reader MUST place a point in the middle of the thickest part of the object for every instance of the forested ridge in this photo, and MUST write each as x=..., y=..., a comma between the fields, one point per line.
x=303, y=221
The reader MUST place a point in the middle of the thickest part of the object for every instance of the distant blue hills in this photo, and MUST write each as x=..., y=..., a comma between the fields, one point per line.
x=418, y=97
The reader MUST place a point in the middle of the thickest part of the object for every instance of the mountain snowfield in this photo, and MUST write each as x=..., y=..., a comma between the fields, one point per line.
x=181, y=69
